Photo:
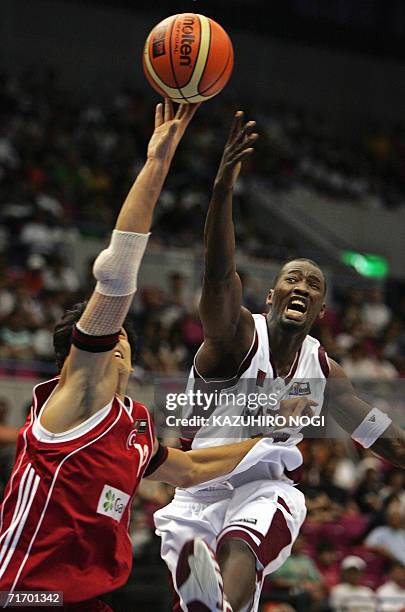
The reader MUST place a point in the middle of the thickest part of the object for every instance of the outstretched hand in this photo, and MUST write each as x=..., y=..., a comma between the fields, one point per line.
x=169, y=129
x=238, y=148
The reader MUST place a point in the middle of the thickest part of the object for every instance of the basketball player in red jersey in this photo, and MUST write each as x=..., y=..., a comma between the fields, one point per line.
x=85, y=446
x=254, y=523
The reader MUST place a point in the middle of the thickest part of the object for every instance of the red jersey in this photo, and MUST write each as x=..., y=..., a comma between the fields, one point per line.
x=66, y=509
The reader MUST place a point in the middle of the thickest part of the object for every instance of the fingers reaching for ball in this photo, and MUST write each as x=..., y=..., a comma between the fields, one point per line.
x=239, y=146
x=164, y=112
x=158, y=115
x=236, y=125
x=169, y=112
x=187, y=111
x=241, y=138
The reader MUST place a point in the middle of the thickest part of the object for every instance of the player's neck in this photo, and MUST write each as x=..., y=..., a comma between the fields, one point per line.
x=284, y=347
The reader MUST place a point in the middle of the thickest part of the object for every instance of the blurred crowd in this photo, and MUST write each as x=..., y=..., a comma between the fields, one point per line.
x=351, y=551
x=65, y=167
x=361, y=329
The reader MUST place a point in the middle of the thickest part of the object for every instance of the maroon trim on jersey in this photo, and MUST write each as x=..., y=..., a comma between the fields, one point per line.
x=185, y=444
x=283, y=503
x=41, y=393
x=295, y=475
x=94, y=344
x=247, y=360
x=157, y=460
x=294, y=367
x=271, y=544
x=323, y=361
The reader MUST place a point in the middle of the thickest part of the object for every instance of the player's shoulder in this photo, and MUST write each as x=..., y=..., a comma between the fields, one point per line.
x=313, y=349
x=137, y=410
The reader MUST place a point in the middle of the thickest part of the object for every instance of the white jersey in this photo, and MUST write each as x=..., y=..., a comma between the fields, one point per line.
x=235, y=402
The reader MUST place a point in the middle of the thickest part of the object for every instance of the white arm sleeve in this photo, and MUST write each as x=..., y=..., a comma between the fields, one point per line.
x=116, y=272
x=116, y=268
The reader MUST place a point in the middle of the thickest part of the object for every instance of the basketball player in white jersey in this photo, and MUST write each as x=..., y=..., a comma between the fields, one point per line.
x=252, y=519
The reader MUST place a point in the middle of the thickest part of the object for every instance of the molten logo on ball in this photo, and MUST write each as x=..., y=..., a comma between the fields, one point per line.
x=187, y=39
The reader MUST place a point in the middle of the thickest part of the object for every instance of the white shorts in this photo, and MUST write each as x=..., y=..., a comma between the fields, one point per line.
x=266, y=514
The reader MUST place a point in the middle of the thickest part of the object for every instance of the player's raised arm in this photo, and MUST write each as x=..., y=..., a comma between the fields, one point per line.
x=89, y=376
x=221, y=309
x=187, y=469
x=369, y=426
x=116, y=268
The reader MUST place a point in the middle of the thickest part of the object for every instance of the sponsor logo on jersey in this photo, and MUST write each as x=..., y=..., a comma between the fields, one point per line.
x=141, y=425
x=252, y=521
x=300, y=388
x=112, y=502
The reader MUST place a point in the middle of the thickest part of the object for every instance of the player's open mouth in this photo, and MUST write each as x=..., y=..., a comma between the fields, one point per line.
x=296, y=308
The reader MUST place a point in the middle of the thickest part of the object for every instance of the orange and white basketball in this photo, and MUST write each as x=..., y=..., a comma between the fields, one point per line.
x=188, y=58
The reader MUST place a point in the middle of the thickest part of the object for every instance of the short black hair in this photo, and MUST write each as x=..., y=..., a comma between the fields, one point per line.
x=62, y=335
x=311, y=261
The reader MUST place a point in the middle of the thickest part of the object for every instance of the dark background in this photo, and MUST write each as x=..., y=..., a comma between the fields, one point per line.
x=372, y=27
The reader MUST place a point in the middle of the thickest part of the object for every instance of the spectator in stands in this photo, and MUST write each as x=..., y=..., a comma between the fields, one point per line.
x=327, y=562
x=299, y=580
x=15, y=338
x=38, y=236
x=8, y=438
x=59, y=276
x=42, y=341
x=28, y=305
x=7, y=298
x=394, y=489
x=391, y=595
x=389, y=539
x=375, y=313
x=140, y=532
x=367, y=495
x=8, y=433
x=178, y=299
x=362, y=365
x=344, y=475
x=33, y=277
x=350, y=595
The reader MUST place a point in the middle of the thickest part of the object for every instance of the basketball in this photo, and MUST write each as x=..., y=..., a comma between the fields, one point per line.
x=188, y=58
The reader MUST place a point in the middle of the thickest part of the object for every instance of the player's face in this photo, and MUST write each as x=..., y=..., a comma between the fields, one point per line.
x=122, y=354
x=298, y=296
